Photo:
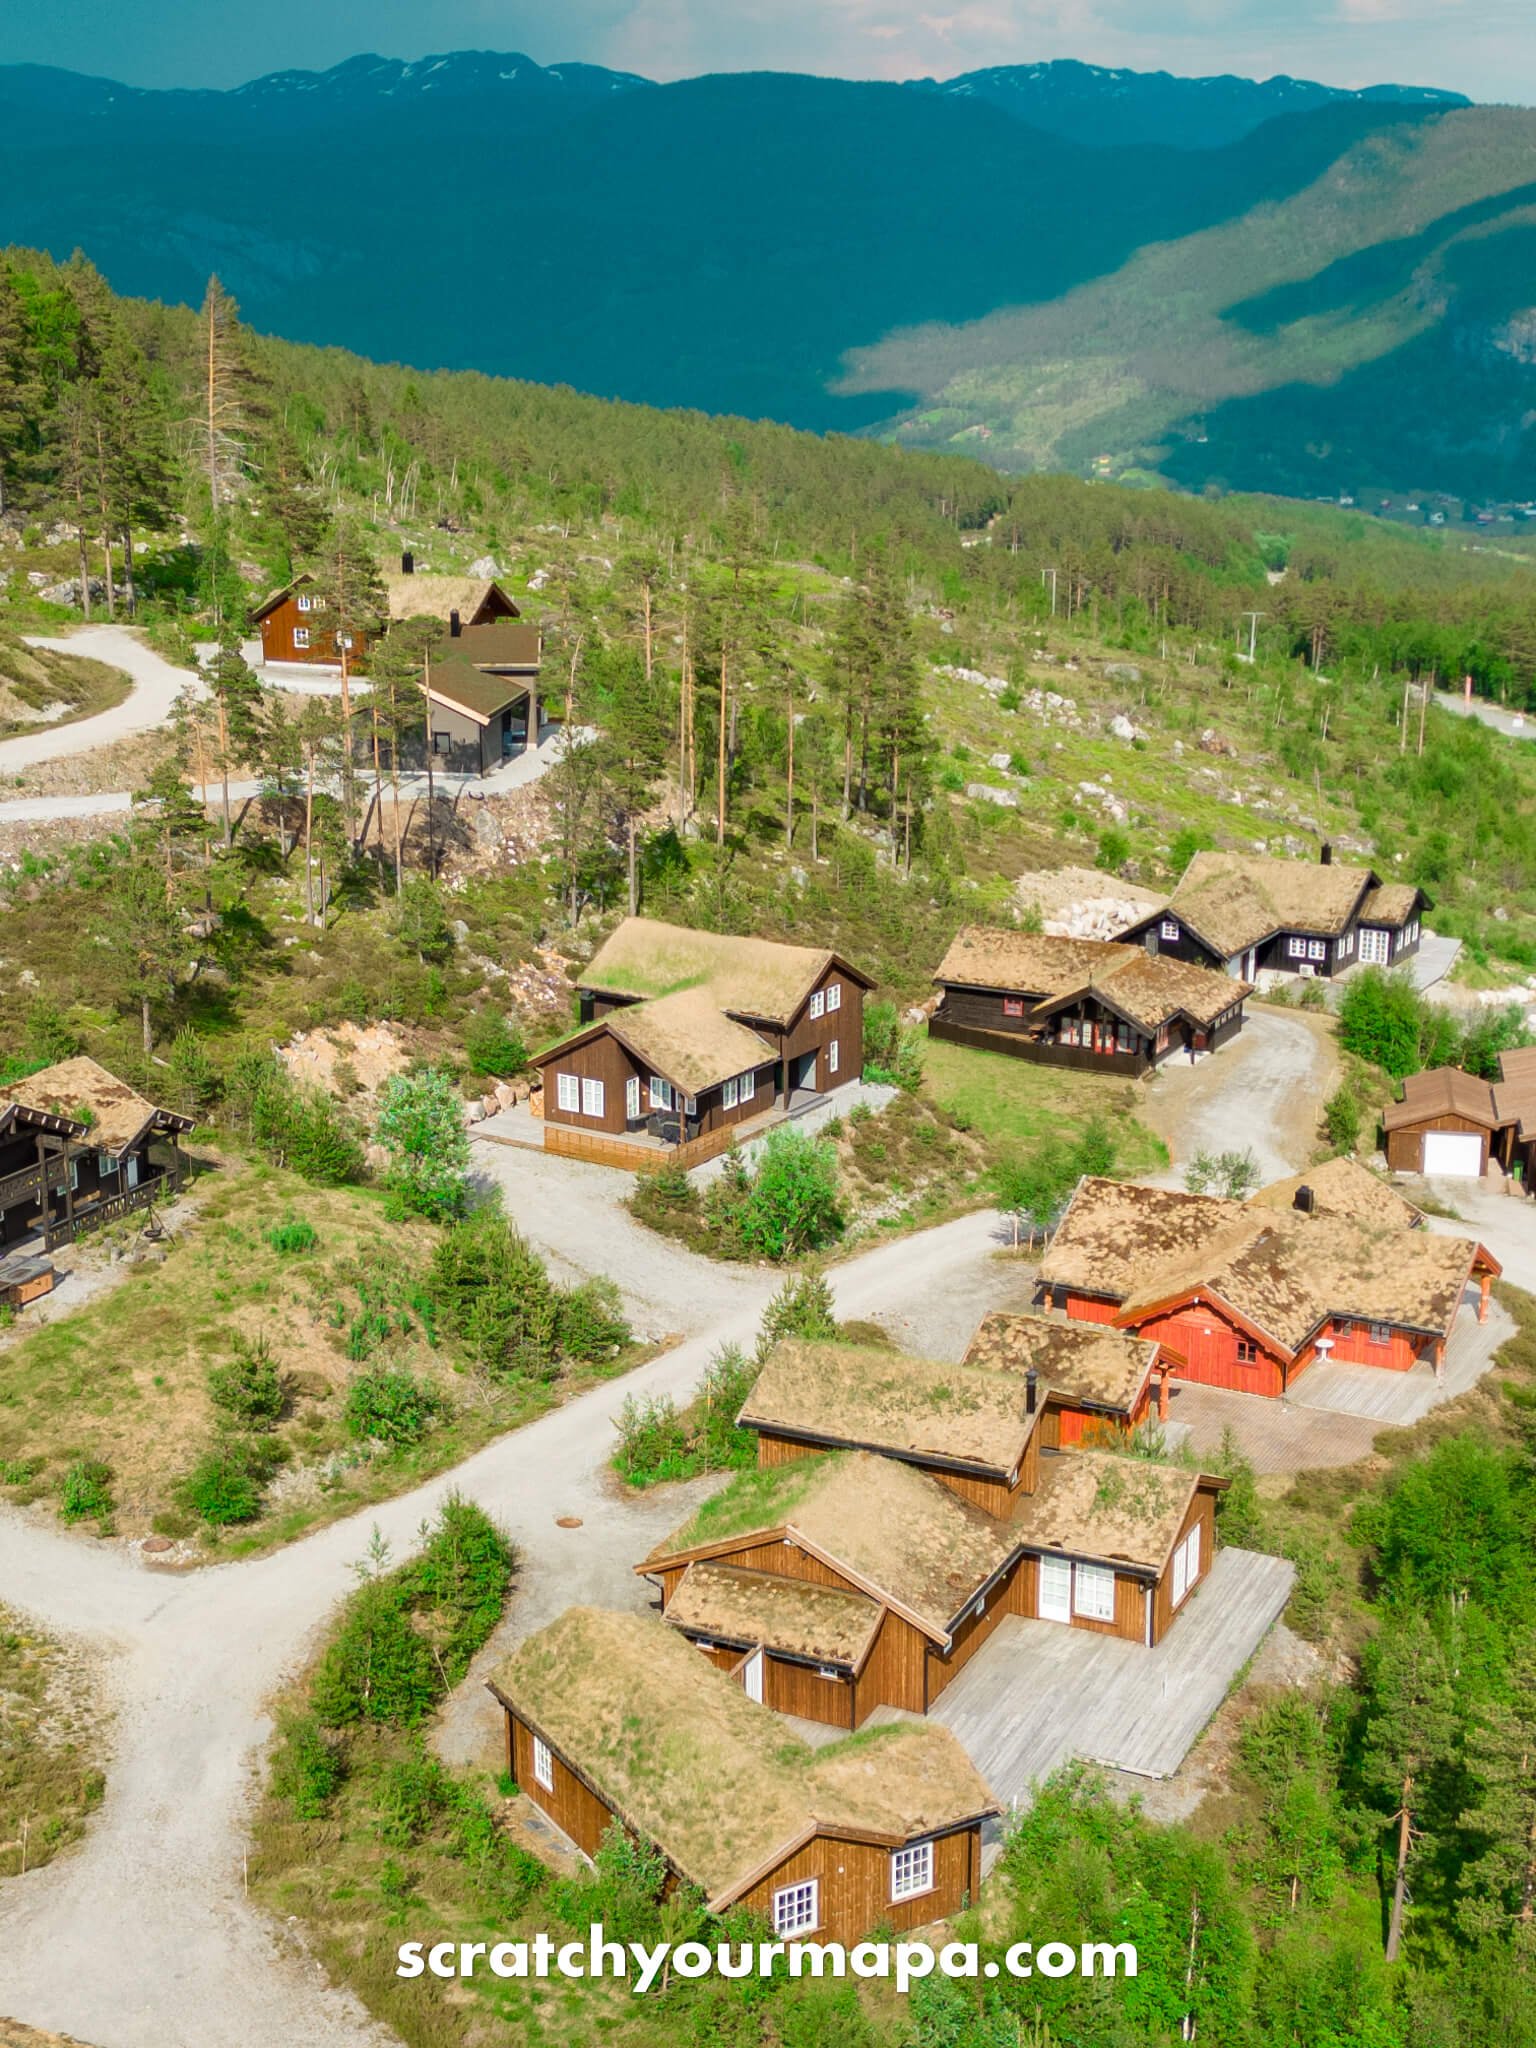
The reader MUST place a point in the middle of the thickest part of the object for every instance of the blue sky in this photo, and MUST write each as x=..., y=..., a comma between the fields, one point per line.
x=1483, y=47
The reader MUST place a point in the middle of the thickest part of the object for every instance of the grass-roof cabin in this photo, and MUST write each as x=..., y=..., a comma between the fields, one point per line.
x=611, y=1717
x=79, y=1147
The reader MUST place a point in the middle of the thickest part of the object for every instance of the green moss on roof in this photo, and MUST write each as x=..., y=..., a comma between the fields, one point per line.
x=759, y=1498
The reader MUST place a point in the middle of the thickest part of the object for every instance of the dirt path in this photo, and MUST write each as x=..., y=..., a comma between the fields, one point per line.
x=156, y=686
x=141, y=1938
x=1262, y=1093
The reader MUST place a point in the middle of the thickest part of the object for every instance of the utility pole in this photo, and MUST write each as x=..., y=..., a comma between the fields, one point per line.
x=1253, y=619
x=1052, y=574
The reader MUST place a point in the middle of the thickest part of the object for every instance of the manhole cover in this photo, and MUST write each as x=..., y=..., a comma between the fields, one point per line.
x=567, y=1521
x=156, y=1546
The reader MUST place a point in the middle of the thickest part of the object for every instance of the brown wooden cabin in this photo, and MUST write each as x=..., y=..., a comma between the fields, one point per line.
x=1083, y=1003
x=1449, y=1123
x=79, y=1148
x=1514, y=1099
x=293, y=625
x=685, y=1033
x=816, y=1843
x=1096, y=1384
x=1248, y=915
x=1248, y=1295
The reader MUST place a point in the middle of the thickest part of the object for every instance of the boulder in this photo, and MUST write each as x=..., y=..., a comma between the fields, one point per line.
x=1123, y=729
x=986, y=794
x=1122, y=672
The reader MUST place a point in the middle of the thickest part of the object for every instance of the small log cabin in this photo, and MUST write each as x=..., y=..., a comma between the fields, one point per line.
x=78, y=1148
x=1250, y=1295
x=1251, y=916
x=293, y=626
x=1083, y=1003
x=1096, y=1384
x=1514, y=1098
x=612, y=1718
x=686, y=1033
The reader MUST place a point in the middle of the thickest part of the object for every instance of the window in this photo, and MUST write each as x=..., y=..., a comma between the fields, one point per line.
x=440, y=742
x=131, y=1170
x=105, y=1164
x=1381, y=1333
x=748, y=1087
x=344, y=640
x=1013, y=1006
x=1186, y=1564
x=568, y=1093
x=1093, y=1592
x=543, y=1764
x=1343, y=1329
x=1247, y=1351
x=832, y=1057
x=632, y=1099
x=912, y=1871
x=1070, y=1032
x=1162, y=1037
x=591, y=1097
x=661, y=1093
x=796, y=1908
x=1125, y=1038
x=1297, y=948
x=74, y=1176
x=306, y=602
x=1169, y=929
x=818, y=1004
x=1317, y=949
x=301, y=636
x=834, y=995
x=729, y=1093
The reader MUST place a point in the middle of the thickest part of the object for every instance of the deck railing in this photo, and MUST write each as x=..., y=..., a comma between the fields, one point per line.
x=1044, y=1052
x=110, y=1208
x=27, y=1185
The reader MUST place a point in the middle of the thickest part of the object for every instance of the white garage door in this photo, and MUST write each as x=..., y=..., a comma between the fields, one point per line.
x=1453, y=1152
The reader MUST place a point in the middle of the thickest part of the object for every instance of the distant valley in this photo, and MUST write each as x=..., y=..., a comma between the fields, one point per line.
x=1269, y=285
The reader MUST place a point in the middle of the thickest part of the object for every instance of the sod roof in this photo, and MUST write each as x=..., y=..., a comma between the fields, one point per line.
x=1391, y=905
x=688, y=1040
x=1443, y=1091
x=795, y=1616
x=891, y=1401
x=498, y=644
x=718, y=1783
x=1090, y=1363
x=757, y=978
x=420, y=596
x=887, y=1528
x=1113, y=1233
x=1122, y=1511
x=1148, y=989
x=1235, y=900
x=117, y=1114
x=1343, y=1187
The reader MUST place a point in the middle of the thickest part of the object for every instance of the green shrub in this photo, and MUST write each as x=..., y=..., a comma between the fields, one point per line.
x=494, y=1046
x=249, y=1389
x=85, y=1494
x=308, y=1767
x=1342, y=1116
x=1114, y=850
x=413, y=1793
x=225, y=1486
x=393, y=1406
x=292, y=1237
x=669, y=1192
x=590, y=1322
x=803, y=1308
x=652, y=1441
x=1232, y=1175
x=20, y=1471
x=493, y=1292
x=301, y=1128
x=420, y=1124
x=378, y=1667
x=729, y=1379
x=791, y=1205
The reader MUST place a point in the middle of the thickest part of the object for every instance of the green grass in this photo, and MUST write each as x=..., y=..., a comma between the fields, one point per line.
x=49, y=1734
x=1018, y=1105
x=39, y=678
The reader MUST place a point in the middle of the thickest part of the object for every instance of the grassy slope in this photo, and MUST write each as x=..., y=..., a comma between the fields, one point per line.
x=36, y=680
x=49, y=1733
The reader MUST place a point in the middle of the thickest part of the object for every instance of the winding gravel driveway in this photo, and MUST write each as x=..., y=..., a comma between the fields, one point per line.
x=156, y=686
x=141, y=1937
x=1262, y=1093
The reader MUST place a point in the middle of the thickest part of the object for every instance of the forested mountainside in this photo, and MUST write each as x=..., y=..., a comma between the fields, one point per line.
x=1018, y=261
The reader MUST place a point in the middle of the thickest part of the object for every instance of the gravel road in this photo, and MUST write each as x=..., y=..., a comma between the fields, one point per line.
x=156, y=686
x=141, y=1937
x=1260, y=1093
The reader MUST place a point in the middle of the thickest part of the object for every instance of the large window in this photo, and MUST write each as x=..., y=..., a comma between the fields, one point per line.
x=834, y=995
x=1093, y=1592
x=543, y=1764
x=1186, y=1564
x=1297, y=948
x=729, y=1092
x=1169, y=929
x=911, y=1871
x=591, y=1096
x=818, y=1004
x=1381, y=1333
x=661, y=1093
x=632, y=1099
x=797, y=1907
x=301, y=636
x=568, y=1093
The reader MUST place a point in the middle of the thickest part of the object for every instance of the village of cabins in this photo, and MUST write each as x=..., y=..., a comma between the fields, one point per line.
x=771, y=1726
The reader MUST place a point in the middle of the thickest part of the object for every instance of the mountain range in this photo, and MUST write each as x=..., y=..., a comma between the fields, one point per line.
x=1218, y=280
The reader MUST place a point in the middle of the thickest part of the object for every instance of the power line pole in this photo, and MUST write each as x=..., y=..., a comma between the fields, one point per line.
x=1052, y=574
x=1253, y=619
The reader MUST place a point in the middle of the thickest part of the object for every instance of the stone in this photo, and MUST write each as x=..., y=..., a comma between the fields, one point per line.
x=474, y=1110
x=459, y=929
x=1123, y=729
x=1122, y=672
x=484, y=565
x=489, y=1105
x=156, y=1546
x=1000, y=760
x=986, y=794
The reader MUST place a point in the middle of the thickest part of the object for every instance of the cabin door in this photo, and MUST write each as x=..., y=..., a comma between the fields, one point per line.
x=1055, y=1600
x=1375, y=947
x=752, y=1676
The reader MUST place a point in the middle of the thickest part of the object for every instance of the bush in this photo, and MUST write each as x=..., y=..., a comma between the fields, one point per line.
x=85, y=1494
x=1384, y=1019
x=301, y=1128
x=1114, y=850
x=803, y=1307
x=308, y=1767
x=225, y=1486
x=1233, y=1175
x=249, y=1389
x=494, y=1046
x=590, y=1322
x=292, y=1237
x=420, y=1124
x=791, y=1205
x=652, y=1441
x=391, y=1405
x=194, y=1082
x=494, y=1294
x=727, y=1382
x=893, y=1055
x=1342, y=1117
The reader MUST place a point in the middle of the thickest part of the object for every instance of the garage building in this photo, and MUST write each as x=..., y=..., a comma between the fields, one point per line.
x=1445, y=1124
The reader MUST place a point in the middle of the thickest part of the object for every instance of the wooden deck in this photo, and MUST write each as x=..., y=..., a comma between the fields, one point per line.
x=1040, y=1693
x=1397, y=1400
x=1273, y=1435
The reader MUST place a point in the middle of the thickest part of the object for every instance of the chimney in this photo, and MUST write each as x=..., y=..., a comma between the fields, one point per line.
x=455, y=625
x=1031, y=1390
x=1326, y=856
x=1305, y=1201
x=407, y=563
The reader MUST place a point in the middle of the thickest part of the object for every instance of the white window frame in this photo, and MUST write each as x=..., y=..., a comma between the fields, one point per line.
x=1296, y=948
x=818, y=1004
x=749, y=1086
x=592, y=1095
x=632, y=1098
x=1317, y=949
x=1186, y=1565
x=543, y=1764
x=1171, y=930
x=1125, y=1038
x=729, y=1093
x=74, y=1176
x=833, y=1049
x=661, y=1093
x=568, y=1093
x=301, y=636
x=131, y=1170
x=105, y=1164
x=911, y=1871
x=1380, y=1333
x=834, y=995
x=1093, y=1591
x=1070, y=1031
x=305, y=603
x=797, y=1907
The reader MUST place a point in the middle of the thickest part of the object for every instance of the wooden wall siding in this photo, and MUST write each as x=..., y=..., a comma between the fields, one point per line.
x=600, y=1059
x=791, y=1688
x=1208, y=1340
x=1004, y=1598
x=1405, y=1145
x=992, y=1494
x=1039, y=1051
x=893, y=1672
x=780, y=1450
x=981, y=1009
x=1079, y=1425
x=1086, y=1308
x=277, y=641
x=1185, y=947
x=855, y=1885
x=1130, y=1620
x=1399, y=1354
x=845, y=1025
x=570, y=1805
x=1202, y=1509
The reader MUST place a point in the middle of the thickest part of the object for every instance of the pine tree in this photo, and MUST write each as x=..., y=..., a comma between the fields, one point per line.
x=349, y=588
x=1499, y=1882
x=142, y=926
x=1410, y=1739
x=237, y=700
x=224, y=412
